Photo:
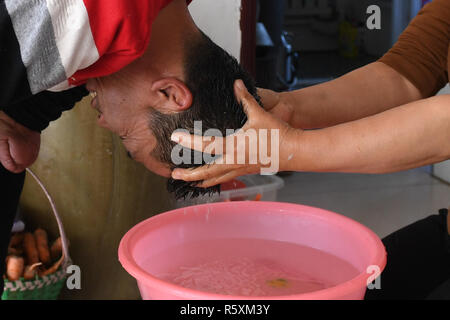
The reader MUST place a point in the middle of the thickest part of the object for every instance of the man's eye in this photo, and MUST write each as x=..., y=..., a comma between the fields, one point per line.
x=129, y=155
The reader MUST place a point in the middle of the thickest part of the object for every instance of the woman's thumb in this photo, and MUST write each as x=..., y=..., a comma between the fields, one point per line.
x=249, y=104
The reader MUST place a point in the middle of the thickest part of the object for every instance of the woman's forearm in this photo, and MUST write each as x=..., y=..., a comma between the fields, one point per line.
x=402, y=138
x=364, y=92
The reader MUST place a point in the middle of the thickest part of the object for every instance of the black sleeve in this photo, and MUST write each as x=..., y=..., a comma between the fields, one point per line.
x=13, y=74
x=39, y=110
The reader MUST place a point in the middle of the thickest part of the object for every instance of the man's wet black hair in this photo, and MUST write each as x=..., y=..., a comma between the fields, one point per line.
x=210, y=73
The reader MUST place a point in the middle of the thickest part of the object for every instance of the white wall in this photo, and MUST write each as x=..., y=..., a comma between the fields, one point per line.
x=220, y=20
x=442, y=170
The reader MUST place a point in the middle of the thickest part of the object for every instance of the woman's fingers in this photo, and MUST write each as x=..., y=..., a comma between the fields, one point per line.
x=203, y=173
x=211, y=175
x=224, y=178
x=206, y=144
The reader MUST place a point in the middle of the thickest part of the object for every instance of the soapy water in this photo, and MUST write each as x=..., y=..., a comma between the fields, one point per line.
x=250, y=267
x=243, y=277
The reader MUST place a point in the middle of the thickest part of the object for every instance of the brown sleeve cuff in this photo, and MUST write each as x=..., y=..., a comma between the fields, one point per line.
x=423, y=76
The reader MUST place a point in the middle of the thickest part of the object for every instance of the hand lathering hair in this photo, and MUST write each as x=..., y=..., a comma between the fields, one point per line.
x=210, y=73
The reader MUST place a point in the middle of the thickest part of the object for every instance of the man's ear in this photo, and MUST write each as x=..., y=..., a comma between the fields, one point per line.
x=174, y=95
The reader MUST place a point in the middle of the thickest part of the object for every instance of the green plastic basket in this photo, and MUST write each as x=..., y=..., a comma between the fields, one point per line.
x=46, y=287
x=42, y=288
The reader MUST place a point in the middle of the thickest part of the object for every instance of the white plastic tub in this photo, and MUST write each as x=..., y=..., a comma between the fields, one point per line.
x=257, y=188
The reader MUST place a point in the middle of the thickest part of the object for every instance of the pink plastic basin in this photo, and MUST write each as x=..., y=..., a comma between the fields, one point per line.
x=297, y=224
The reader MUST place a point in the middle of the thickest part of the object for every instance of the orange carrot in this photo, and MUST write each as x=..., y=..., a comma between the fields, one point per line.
x=31, y=271
x=16, y=239
x=29, y=246
x=15, y=244
x=14, y=268
x=258, y=197
x=56, y=249
x=52, y=269
x=40, y=236
x=14, y=251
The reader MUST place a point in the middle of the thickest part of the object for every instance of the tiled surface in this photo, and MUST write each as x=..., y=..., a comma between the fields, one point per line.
x=384, y=203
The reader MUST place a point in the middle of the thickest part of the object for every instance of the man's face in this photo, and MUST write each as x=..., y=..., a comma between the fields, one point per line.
x=122, y=100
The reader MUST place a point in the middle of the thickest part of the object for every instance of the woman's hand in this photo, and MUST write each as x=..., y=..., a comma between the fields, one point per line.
x=274, y=103
x=271, y=144
x=19, y=146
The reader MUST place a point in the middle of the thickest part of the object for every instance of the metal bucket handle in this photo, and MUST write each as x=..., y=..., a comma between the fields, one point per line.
x=65, y=243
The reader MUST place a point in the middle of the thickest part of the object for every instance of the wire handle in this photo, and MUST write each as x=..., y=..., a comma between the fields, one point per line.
x=65, y=247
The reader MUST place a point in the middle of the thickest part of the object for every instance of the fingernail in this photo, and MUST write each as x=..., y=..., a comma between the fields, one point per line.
x=175, y=137
x=176, y=175
x=240, y=85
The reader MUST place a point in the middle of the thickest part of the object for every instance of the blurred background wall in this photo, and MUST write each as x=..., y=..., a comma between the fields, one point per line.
x=220, y=20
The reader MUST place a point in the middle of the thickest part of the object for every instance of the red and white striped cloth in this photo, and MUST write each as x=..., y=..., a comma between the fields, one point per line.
x=65, y=42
